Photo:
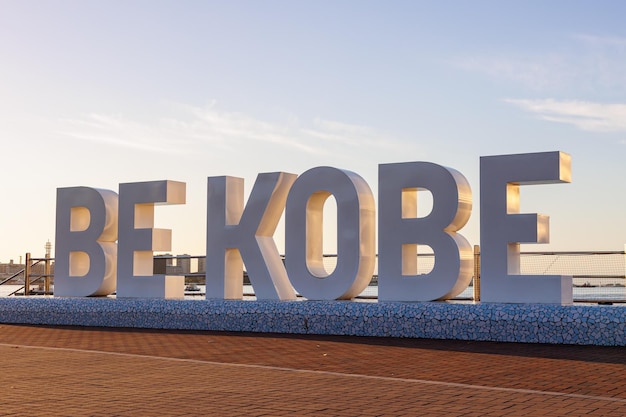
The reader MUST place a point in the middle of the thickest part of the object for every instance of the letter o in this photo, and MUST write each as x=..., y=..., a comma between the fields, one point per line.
x=356, y=254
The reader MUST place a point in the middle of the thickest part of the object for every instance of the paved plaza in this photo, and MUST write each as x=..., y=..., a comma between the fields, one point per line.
x=74, y=371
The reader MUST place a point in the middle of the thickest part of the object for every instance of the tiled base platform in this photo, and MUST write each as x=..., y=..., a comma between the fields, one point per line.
x=530, y=323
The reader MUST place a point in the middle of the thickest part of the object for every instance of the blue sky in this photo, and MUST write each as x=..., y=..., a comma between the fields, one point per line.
x=97, y=93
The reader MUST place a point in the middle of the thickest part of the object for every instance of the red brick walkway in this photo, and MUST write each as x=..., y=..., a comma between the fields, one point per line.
x=120, y=372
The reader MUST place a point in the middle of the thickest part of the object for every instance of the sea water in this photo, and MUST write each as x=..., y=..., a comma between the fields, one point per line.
x=608, y=293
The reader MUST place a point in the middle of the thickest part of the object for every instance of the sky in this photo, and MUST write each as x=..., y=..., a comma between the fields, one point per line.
x=98, y=93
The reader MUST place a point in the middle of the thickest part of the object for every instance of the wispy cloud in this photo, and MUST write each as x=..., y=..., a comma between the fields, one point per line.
x=115, y=130
x=194, y=126
x=604, y=41
x=536, y=73
x=350, y=135
x=583, y=62
x=585, y=115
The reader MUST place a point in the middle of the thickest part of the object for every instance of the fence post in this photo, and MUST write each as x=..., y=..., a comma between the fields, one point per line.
x=47, y=273
x=47, y=269
x=476, y=272
x=27, y=275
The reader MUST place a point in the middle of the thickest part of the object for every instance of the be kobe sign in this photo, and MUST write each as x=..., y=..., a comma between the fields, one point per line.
x=105, y=240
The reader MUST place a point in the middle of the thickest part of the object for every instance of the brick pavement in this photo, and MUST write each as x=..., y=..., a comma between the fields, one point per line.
x=51, y=371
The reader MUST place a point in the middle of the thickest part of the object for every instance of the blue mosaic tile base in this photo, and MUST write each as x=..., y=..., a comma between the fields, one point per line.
x=529, y=323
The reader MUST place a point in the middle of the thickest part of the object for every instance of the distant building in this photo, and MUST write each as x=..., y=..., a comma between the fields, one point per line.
x=161, y=264
x=6, y=270
x=184, y=262
x=37, y=270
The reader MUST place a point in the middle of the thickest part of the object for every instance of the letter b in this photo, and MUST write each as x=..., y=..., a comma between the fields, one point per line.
x=86, y=252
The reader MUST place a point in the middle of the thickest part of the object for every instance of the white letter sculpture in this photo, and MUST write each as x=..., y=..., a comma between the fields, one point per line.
x=234, y=233
x=400, y=231
x=86, y=231
x=356, y=253
x=502, y=228
x=138, y=239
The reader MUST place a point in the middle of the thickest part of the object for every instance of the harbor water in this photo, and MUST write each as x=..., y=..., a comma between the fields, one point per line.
x=605, y=293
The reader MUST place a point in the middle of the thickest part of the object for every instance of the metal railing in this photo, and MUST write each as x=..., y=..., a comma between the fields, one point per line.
x=598, y=276
x=32, y=275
